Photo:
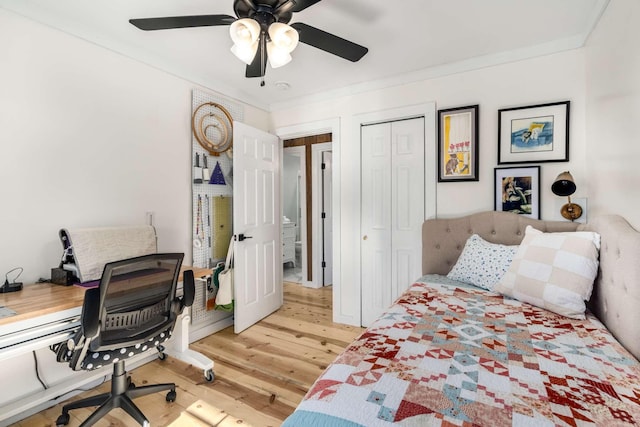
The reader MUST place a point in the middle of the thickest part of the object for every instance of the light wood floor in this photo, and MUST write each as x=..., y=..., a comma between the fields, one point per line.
x=261, y=374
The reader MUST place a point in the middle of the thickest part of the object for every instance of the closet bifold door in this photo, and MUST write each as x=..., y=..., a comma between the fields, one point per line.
x=392, y=211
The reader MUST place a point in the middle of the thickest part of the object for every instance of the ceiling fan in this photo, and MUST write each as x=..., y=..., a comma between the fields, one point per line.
x=260, y=33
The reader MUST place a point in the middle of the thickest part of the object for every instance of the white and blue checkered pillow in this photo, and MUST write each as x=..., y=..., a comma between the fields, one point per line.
x=482, y=263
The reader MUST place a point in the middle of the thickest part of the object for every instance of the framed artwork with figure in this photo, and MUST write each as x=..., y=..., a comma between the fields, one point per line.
x=534, y=134
x=517, y=190
x=458, y=144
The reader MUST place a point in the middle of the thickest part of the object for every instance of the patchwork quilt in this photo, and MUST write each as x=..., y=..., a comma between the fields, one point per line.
x=450, y=354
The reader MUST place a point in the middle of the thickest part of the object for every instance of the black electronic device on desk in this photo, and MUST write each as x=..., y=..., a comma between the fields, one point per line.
x=13, y=286
x=67, y=272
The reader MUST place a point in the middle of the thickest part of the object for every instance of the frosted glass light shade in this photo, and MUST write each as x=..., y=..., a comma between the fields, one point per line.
x=245, y=34
x=277, y=56
x=283, y=36
x=284, y=40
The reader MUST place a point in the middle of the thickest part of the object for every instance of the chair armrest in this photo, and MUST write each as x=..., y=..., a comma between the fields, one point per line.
x=90, y=313
x=188, y=288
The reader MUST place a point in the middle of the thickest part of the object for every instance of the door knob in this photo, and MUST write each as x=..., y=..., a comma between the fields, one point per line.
x=365, y=237
x=242, y=237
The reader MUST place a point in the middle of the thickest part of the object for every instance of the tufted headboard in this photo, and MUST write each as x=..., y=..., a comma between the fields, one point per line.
x=616, y=293
x=616, y=297
x=443, y=239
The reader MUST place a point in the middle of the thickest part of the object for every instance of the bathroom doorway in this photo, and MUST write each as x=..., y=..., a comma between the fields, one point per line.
x=306, y=198
x=294, y=213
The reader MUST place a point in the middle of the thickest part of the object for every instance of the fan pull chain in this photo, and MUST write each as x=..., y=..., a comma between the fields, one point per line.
x=263, y=62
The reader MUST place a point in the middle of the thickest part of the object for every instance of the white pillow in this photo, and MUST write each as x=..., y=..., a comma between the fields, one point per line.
x=482, y=263
x=554, y=271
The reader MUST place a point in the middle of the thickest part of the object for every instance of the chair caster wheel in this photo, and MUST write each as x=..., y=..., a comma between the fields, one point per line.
x=62, y=420
x=171, y=396
x=208, y=375
x=161, y=354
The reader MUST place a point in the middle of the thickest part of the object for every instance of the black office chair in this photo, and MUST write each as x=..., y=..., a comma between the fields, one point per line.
x=133, y=310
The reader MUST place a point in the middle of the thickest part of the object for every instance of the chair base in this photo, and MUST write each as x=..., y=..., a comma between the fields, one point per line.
x=121, y=396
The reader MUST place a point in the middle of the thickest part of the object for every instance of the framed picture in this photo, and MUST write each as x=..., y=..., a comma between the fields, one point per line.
x=517, y=190
x=458, y=144
x=534, y=134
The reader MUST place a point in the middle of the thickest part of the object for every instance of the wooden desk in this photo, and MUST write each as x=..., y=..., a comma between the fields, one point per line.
x=40, y=299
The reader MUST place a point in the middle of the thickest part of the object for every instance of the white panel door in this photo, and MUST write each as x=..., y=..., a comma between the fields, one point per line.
x=376, y=220
x=256, y=225
x=392, y=212
x=407, y=203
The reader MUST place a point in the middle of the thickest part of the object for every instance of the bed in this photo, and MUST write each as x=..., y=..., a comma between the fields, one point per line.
x=451, y=353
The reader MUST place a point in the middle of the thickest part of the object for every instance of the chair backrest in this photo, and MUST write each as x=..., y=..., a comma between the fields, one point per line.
x=134, y=308
x=136, y=297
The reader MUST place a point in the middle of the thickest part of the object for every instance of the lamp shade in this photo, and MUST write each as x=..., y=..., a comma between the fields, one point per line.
x=245, y=34
x=564, y=185
x=284, y=40
x=277, y=57
x=283, y=36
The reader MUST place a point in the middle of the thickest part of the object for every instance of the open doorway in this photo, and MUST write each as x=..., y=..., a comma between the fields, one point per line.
x=293, y=213
x=306, y=191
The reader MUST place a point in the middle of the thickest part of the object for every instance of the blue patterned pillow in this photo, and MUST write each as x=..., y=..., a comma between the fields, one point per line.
x=482, y=263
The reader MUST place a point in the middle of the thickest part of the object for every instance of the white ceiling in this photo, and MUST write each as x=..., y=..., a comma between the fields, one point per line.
x=407, y=40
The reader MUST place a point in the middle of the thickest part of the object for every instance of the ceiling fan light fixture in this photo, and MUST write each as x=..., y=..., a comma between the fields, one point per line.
x=245, y=53
x=245, y=34
x=277, y=56
x=262, y=25
x=283, y=36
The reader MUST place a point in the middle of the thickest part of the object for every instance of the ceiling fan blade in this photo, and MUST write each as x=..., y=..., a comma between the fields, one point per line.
x=287, y=6
x=251, y=4
x=258, y=66
x=330, y=43
x=166, y=23
x=303, y=4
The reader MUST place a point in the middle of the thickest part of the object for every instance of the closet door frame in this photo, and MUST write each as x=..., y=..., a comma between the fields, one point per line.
x=392, y=211
x=428, y=111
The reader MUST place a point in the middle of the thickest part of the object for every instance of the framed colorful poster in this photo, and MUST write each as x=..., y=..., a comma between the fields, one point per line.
x=534, y=134
x=458, y=144
x=517, y=190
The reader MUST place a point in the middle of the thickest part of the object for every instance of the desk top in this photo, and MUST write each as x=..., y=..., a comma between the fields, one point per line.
x=45, y=298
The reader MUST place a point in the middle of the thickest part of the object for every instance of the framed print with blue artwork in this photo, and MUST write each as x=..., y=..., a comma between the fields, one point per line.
x=534, y=134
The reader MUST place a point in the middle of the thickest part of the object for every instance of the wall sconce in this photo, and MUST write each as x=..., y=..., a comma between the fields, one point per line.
x=564, y=186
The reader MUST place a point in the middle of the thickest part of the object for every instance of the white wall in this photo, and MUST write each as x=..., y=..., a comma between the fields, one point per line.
x=88, y=138
x=613, y=112
x=551, y=78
